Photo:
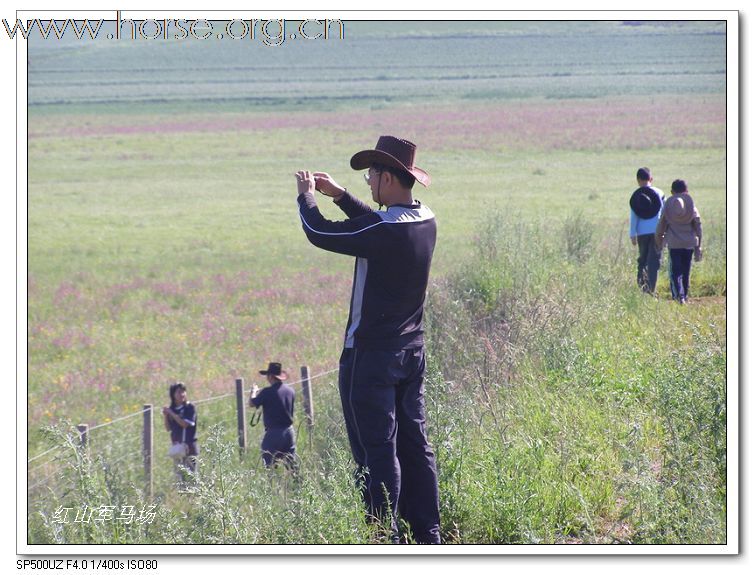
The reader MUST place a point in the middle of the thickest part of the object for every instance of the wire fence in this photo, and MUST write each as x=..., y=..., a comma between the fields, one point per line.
x=119, y=449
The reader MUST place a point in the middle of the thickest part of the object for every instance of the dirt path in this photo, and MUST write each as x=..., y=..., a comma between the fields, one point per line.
x=708, y=300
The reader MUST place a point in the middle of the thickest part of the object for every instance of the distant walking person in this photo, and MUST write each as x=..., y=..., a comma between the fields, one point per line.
x=646, y=206
x=277, y=403
x=381, y=379
x=181, y=422
x=681, y=229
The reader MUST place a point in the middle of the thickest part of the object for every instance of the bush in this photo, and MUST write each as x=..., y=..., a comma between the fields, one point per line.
x=577, y=234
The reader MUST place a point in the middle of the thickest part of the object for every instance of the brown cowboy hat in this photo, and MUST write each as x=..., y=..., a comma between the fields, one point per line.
x=679, y=209
x=395, y=153
x=274, y=369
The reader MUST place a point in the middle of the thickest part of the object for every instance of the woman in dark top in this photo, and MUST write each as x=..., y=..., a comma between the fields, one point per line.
x=181, y=422
x=277, y=402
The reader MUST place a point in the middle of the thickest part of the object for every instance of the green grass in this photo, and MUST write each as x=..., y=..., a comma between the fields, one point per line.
x=563, y=405
x=161, y=257
x=192, y=265
x=466, y=61
x=586, y=411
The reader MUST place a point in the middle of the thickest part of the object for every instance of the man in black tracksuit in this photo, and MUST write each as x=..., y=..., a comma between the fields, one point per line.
x=383, y=362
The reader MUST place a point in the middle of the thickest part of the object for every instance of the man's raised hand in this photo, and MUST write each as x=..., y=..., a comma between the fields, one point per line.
x=305, y=182
x=327, y=185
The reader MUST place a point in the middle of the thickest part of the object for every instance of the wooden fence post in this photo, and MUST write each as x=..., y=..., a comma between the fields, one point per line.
x=241, y=415
x=306, y=389
x=147, y=437
x=83, y=433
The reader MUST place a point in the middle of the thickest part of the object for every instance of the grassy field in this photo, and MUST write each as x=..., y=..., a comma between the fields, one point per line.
x=379, y=64
x=164, y=244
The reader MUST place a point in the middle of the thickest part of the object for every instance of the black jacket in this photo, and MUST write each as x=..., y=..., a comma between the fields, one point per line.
x=394, y=249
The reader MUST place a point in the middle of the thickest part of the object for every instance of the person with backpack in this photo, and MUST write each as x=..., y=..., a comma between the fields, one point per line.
x=680, y=228
x=646, y=206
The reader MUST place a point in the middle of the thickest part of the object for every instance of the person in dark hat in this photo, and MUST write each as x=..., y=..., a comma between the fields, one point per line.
x=277, y=403
x=646, y=206
x=382, y=366
x=680, y=228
